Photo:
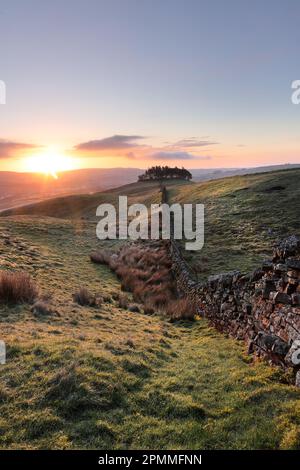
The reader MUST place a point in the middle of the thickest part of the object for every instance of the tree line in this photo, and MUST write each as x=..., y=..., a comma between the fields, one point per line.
x=165, y=172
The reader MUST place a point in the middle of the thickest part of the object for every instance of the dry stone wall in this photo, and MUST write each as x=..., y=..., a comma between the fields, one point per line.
x=261, y=307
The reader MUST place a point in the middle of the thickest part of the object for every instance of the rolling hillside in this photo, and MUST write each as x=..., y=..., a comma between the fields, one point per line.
x=18, y=189
x=244, y=215
x=84, y=205
x=104, y=376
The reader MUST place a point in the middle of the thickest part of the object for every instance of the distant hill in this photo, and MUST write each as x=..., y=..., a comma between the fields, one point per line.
x=216, y=173
x=233, y=204
x=84, y=205
x=17, y=189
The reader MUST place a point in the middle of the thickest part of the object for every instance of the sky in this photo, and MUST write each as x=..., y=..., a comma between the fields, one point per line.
x=133, y=83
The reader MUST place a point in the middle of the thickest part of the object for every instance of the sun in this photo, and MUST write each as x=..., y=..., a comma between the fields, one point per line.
x=49, y=162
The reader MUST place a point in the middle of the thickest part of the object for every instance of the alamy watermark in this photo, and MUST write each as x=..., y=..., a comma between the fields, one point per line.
x=160, y=222
x=2, y=353
x=2, y=92
x=295, y=97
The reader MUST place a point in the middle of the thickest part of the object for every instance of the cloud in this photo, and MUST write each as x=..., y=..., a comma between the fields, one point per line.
x=115, y=142
x=193, y=142
x=9, y=149
x=176, y=156
x=130, y=147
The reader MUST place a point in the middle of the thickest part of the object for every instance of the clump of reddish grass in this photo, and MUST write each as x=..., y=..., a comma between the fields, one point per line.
x=181, y=309
x=148, y=309
x=100, y=257
x=160, y=299
x=84, y=298
x=17, y=287
x=123, y=301
x=145, y=271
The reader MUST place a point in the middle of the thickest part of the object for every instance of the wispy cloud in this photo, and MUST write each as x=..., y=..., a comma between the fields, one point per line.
x=10, y=149
x=131, y=147
x=193, y=142
x=115, y=142
x=162, y=155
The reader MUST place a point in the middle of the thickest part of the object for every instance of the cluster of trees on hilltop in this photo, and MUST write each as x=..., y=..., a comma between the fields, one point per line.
x=165, y=172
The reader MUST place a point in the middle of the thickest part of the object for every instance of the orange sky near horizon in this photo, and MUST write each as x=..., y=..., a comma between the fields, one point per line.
x=52, y=159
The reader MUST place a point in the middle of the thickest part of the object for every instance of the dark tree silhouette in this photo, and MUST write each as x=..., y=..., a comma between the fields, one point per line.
x=165, y=172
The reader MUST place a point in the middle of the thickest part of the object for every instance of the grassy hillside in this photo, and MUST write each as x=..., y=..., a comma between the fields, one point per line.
x=244, y=216
x=105, y=377
x=85, y=205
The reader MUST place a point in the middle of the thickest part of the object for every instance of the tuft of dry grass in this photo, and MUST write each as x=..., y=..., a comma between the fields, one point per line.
x=42, y=308
x=17, y=287
x=161, y=299
x=181, y=309
x=123, y=301
x=84, y=298
x=148, y=309
x=100, y=257
x=144, y=270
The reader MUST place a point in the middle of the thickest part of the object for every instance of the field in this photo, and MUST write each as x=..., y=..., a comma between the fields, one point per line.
x=105, y=377
x=244, y=216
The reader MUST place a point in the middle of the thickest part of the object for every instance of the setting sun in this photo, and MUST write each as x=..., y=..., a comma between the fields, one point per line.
x=50, y=162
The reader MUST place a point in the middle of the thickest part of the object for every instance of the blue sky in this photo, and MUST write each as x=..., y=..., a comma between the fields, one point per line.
x=79, y=71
